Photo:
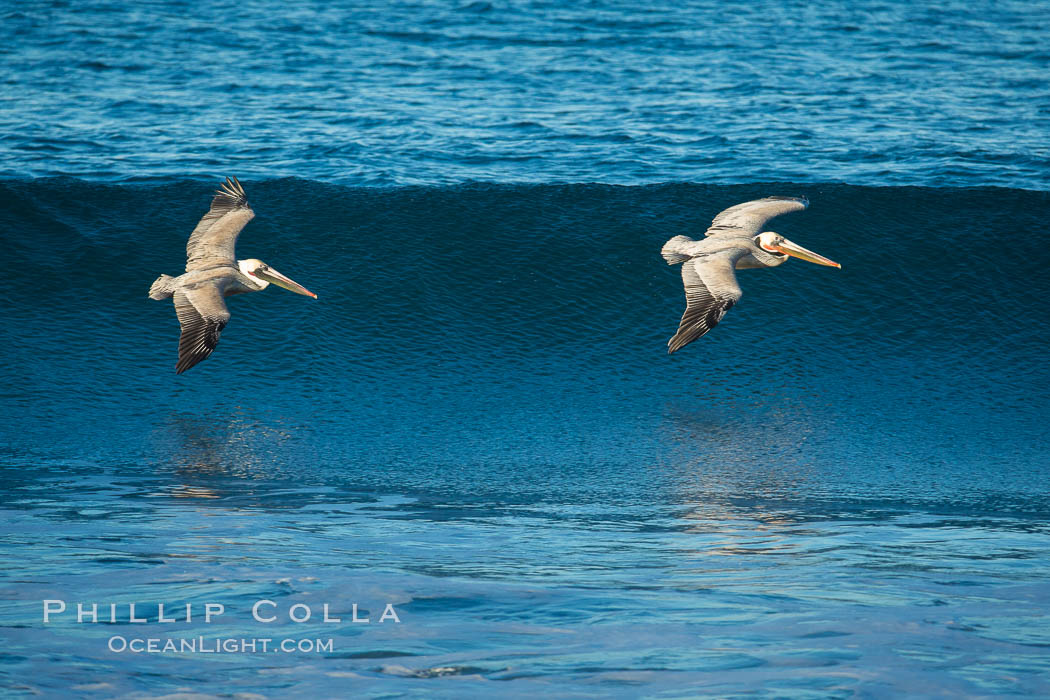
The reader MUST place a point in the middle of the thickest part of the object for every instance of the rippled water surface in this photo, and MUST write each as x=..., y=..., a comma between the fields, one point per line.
x=872, y=92
x=842, y=491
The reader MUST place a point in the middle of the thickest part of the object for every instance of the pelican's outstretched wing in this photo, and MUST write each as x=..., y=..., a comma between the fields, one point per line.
x=711, y=289
x=750, y=217
x=202, y=314
x=213, y=241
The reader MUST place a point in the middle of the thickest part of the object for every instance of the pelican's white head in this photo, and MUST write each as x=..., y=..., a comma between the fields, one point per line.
x=777, y=245
x=249, y=267
x=262, y=275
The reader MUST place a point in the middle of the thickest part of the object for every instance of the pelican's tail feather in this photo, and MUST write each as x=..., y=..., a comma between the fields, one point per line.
x=162, y=288
x=672, y=250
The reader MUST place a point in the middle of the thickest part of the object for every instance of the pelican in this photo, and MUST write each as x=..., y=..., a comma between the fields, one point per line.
x=213, y=273
x=733, y=243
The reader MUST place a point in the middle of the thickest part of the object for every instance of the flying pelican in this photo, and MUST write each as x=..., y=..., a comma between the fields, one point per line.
x=733, y=243
x=213, y=273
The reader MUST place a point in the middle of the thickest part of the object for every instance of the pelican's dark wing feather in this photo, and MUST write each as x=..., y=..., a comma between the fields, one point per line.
x=711, y=289
x=202, y=314
x=750, y=218
x=213, y=242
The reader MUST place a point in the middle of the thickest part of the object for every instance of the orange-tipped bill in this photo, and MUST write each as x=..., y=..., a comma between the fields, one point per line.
x=795, y=250
x=272, y=275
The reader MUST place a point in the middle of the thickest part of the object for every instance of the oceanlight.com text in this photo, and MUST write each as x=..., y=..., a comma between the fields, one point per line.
x=217, y=645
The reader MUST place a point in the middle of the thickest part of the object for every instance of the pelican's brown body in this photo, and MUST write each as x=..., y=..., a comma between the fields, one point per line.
x=226, y=279
x=734, y=241
x=213, y=273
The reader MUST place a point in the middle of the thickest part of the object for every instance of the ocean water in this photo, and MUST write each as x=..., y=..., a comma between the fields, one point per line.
x=419, y=92
x=841, y=491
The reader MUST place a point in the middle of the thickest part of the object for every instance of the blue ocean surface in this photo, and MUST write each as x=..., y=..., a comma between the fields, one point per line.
x=420, y=92
x=474, y=437
x=842, y=489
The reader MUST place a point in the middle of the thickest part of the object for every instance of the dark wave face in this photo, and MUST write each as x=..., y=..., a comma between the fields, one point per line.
x=477, y=421
x=527, y=326
x=947, y=93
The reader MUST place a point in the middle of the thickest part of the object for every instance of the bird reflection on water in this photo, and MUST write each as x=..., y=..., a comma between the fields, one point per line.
x=739, y=500
x=731, y=447
x=219, y=456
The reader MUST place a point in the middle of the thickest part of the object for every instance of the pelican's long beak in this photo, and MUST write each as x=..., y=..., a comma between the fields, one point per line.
x=272, y=275
x=789, y=248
